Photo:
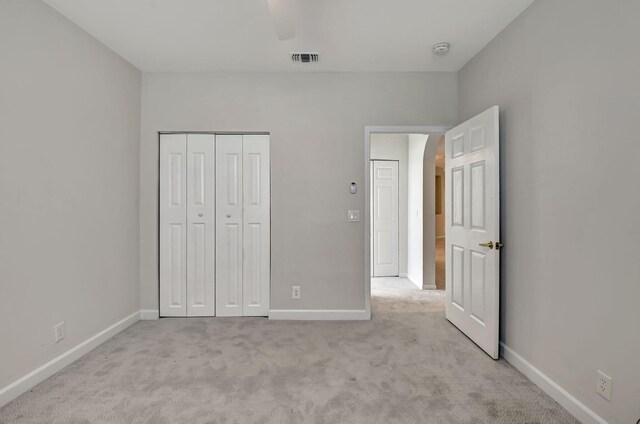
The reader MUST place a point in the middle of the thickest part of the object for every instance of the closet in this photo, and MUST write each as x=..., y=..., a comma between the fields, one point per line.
x=214, y=225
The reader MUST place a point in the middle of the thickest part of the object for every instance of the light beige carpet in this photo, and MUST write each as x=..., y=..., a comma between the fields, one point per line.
x=407, y=365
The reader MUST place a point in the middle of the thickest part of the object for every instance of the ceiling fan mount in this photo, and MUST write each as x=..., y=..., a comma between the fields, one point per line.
x=283, y=16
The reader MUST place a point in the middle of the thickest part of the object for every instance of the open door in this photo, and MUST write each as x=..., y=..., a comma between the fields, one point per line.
x=473, y=229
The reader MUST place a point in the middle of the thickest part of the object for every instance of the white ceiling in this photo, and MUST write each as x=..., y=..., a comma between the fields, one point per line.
x=238, y=35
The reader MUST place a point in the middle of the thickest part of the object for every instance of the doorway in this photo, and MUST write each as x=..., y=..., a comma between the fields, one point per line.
x=413, y=149
x=472, y=225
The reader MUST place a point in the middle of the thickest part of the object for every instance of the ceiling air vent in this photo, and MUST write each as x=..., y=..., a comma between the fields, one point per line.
x=305, y=57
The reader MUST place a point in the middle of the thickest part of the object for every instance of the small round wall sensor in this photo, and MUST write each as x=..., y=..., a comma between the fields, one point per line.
x=441, y=49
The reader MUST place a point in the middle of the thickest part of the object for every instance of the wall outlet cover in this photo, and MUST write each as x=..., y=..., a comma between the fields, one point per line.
x=603, y=385
x=60, y=331
x=295, y=292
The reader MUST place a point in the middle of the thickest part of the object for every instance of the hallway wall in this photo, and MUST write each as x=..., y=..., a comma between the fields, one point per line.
x=416, y=221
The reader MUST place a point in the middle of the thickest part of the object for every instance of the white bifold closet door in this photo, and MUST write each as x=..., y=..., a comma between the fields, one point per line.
x=242, y=225
x=187, y=225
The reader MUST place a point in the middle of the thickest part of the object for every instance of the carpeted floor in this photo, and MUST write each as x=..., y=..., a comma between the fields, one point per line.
x=407, y=365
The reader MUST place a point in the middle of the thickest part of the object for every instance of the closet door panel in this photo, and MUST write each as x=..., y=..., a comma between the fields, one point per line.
x=173, y=231
x=200, y=225
x=256, y=225
x=229, y=228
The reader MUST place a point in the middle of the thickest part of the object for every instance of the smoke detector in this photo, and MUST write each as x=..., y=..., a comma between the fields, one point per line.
x=441, y=49
x=305, y=57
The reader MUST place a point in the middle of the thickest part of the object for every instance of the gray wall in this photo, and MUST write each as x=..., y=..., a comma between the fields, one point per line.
x=428, y=212
x=69, y=184
x=317, y=123
x=566, y=75
x=415, y=210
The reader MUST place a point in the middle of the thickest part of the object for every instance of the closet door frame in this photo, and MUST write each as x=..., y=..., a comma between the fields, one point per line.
x=181, y=309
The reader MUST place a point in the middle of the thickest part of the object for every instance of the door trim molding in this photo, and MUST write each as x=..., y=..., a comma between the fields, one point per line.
x=550, y=387
x=153, y=314
x=381, y=129
x=320, y=314
x=35, y=377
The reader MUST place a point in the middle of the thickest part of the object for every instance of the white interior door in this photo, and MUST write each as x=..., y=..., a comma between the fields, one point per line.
x=385, y=219
x=229, y=225
x=173, y=231
x=473, y=229
x=200, y=225
x=256, y=225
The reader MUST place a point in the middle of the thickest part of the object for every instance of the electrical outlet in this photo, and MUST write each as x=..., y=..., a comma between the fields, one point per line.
x=603, y=385
x=60, y=331
x=295, y=292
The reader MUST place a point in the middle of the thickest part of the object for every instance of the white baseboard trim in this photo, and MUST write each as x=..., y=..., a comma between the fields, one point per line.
x=35, y=377
x=149, y=314
x=319, y=314
x=415, y=281
x=403, y=275
x=550, y=387
x=429, y=287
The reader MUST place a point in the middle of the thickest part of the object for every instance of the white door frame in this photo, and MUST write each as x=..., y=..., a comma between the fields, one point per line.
x=155, y=313
x=374, y=129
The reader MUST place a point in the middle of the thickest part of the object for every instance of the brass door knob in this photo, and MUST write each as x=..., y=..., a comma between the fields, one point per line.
x=499, y=245
x=488, y=244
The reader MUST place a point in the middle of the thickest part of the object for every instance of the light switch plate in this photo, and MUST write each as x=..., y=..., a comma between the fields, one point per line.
x=354, y=216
